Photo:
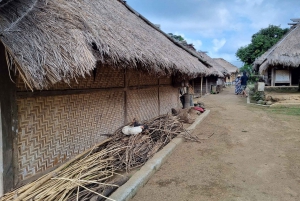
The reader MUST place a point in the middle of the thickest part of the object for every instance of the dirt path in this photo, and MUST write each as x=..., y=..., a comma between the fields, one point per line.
x=247, y=153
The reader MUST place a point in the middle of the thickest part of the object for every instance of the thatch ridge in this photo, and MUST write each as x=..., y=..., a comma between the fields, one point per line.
x=285, y=52
x=216, y=69
x=227, y=65
x=56, y=41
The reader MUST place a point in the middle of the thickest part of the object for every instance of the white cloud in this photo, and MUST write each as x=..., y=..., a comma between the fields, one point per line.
x=218, y=26
x=197, y=43
x=218, y=44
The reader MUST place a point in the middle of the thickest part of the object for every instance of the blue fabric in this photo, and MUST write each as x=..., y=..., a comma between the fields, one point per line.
x=238, y=88
x=244, y=80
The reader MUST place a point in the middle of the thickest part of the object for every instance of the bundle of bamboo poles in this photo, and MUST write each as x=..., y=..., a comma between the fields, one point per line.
x=95, y=172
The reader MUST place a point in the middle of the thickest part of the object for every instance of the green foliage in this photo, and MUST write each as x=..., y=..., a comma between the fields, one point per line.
x=176, y=37
x=258, y=95
x=260, y=43
x=247, y=68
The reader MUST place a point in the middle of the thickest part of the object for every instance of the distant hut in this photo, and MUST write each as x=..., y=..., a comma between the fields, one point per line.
x=232, y=70
x=280, y=64
x=72, y=72
x=214, y=79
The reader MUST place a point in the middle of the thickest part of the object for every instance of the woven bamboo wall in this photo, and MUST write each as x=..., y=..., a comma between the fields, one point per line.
x=142, y=104
x=53, y=129
x=103, y=79
x=165, y=80
x=140, y=79
x=169, y=98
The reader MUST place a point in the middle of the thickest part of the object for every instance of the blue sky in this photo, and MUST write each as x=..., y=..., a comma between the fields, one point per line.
x=215, y=26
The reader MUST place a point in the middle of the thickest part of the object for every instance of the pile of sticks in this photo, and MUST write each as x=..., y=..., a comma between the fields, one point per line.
x=139, y=148
x=95, y=173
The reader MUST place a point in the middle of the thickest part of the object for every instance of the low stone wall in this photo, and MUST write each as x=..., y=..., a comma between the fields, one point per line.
x=281, y=89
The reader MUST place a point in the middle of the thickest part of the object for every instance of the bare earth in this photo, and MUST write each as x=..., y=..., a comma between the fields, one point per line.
x=247, y=153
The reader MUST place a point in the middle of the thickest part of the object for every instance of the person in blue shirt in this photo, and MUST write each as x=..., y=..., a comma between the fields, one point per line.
x=244, y=80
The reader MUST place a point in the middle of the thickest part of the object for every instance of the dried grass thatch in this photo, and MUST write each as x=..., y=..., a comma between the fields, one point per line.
x=227, y=65
x=52, y=41
x=216, y=69
x=286, y=52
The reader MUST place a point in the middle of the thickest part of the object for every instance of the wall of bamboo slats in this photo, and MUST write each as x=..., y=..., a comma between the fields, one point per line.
x=55, y=128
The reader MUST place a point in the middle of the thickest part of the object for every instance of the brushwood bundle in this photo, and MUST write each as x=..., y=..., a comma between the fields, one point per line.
x=96, y=171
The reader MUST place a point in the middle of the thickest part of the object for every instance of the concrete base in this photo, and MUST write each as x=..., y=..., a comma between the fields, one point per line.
x=139, y=179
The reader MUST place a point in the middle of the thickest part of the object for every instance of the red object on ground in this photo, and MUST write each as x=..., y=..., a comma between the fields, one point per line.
x=200, y=109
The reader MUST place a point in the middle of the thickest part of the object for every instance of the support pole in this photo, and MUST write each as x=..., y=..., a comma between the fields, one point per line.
x=201, y=88
x=8, y=126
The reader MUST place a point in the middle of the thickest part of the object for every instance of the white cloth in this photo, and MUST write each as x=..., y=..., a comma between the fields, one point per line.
x=130, y=130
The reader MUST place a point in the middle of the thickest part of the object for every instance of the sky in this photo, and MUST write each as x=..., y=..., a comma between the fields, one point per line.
x=218, y=27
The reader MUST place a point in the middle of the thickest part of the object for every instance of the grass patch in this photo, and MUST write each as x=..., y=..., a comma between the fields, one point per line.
x=285, y=110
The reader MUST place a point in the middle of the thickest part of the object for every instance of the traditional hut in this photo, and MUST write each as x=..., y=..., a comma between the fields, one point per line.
x=214, y=79
x=72, y=72
x=232, y=70
x=280, y=64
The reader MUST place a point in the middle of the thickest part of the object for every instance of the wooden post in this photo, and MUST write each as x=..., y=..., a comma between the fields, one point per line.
x=8, y=126
x=158, y=91
x=126, y=80
x=206, y=87
x=201, y=87
x=290, y=76
x=273, y=77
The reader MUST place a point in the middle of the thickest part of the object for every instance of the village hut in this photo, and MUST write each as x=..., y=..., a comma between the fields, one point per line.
x=280, y=64
x=214, y=79
x=232, y=70
x=72, y=72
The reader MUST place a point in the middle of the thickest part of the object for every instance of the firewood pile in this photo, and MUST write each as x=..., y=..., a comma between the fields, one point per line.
x=95, y=174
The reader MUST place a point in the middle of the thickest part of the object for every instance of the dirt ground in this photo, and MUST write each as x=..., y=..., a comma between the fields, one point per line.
x=247, y=153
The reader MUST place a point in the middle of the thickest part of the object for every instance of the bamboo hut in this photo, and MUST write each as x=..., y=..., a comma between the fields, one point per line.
x=232, y=70
x=280, y=64
x=214, y=79
x=72, y=72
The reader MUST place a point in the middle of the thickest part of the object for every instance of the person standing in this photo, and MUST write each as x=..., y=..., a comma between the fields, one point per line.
x=238, y=88
x=244, y=80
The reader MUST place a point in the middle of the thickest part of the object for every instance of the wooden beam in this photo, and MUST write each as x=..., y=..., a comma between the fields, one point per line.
x=29, y=94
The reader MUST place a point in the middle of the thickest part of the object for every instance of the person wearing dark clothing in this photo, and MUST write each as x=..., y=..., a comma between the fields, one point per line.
x=244, y=80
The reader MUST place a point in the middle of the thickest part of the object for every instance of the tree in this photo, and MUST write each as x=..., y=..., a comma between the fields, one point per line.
x=260, y=43
x=176, y=37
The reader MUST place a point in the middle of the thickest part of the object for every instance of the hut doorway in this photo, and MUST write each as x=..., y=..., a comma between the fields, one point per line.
x=295, y=76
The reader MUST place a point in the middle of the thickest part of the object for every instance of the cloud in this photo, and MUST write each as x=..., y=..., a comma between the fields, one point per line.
x=219, y=27
x=218, y=44
x=196, y=42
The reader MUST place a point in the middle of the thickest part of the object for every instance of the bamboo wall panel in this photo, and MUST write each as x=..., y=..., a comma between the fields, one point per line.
x=105, y=77
x=140, y=78
x=142, y=104
x=53, y=129
x=169, y=98
x=210, y=82
x=165, y=80
x=197, y=83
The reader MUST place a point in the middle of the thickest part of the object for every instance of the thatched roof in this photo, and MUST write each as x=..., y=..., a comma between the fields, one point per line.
x=52, y=41
x=216, y=69
x=228, y=66
x=285, y=52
